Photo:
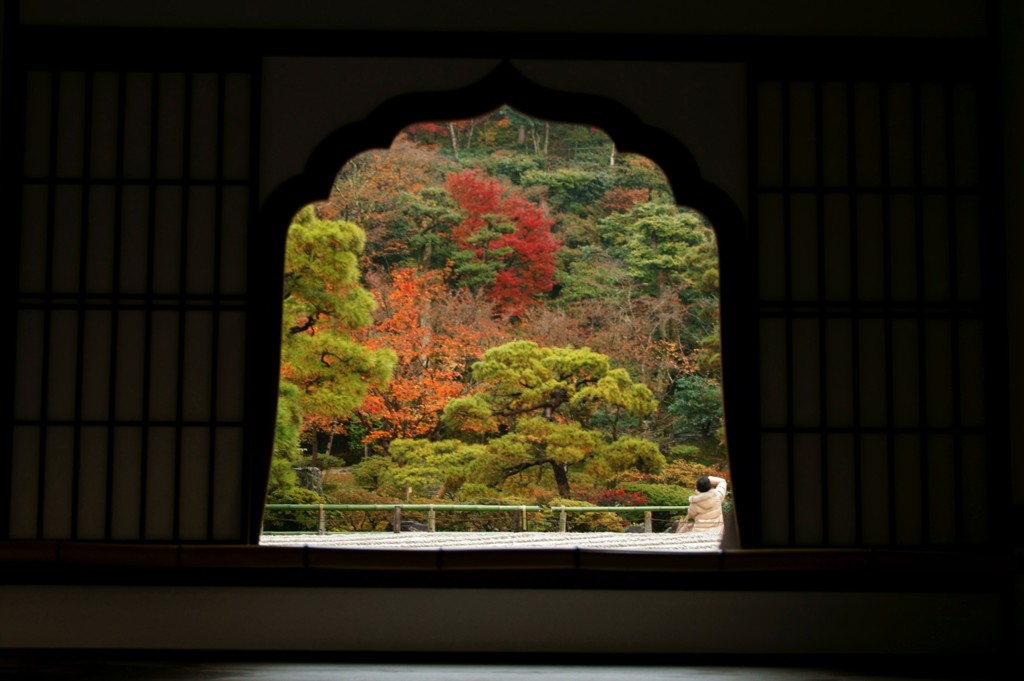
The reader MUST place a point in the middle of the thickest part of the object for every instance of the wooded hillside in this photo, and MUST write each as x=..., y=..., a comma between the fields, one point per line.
x=501, y=308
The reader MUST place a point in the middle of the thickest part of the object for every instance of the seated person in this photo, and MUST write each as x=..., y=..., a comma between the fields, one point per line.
x=705, y=511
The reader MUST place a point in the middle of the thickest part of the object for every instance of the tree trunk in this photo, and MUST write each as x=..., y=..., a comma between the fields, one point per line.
x=428, y=254
x=611, y=159
x=455, y=140
x=547, y=135
x=561, y=479
x=330, y=442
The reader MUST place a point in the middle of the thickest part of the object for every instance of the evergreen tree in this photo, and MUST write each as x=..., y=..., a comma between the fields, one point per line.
x=540, y=401
x=325, y=372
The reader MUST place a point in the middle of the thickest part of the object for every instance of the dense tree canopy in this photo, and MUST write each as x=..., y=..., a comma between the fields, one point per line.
x=502, y=307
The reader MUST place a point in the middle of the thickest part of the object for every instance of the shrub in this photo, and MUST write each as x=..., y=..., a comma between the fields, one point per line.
x=484, y=521
x=690, y=452
x=631, y=475
x=277, y=520
x=369, y=472
x=683, y=473
x=358, y=521
x=619, y=497
x=661, y=494
x=295, y=495
x=323, y=462
x=580, y=522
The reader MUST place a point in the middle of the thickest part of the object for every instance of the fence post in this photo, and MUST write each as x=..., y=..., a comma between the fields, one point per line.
x=431, y=523
x=524, y=518
x=561, y=519
x=396, y=521
x=648, y=523
x=322, y=527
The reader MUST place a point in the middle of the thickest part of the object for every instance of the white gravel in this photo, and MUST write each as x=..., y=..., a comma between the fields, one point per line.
x=689, y=541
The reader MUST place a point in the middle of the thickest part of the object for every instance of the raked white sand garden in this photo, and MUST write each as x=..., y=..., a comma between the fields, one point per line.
x=624, y=541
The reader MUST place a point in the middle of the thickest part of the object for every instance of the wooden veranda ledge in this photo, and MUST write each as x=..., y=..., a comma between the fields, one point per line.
x=71, y=562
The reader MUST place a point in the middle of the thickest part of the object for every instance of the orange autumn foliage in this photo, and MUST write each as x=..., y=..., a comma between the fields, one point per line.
x=434, y=349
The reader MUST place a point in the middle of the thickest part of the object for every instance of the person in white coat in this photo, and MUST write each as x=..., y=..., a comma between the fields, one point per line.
x=705, y=512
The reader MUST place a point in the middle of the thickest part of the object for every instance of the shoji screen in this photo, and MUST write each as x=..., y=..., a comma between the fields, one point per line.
x=131, y=307
x=868, y=214
x=876, y=314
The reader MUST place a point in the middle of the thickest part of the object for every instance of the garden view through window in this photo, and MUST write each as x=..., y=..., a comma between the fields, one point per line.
x=500, y=311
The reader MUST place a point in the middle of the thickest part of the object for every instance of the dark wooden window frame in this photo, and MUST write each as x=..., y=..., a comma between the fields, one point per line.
x=155, y=49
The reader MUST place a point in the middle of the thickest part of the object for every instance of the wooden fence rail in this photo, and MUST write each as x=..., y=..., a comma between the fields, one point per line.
x=519, y=512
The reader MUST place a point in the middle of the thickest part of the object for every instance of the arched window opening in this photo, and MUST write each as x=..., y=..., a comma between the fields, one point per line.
x=500, y=310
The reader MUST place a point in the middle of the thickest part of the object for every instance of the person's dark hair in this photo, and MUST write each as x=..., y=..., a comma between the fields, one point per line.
x=703, y=484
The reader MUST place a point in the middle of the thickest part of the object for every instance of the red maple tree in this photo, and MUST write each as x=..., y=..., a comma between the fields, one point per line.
x=527, y=251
